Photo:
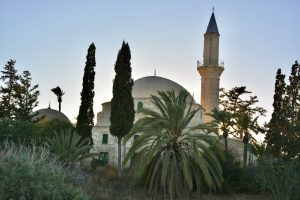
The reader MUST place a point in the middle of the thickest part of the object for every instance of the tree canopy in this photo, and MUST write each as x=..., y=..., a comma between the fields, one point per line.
x=85, y=119
x=18, y=97
x=283, y=134
x=122, y=105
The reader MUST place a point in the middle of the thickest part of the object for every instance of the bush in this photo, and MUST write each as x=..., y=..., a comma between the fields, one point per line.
x=18, y=131
x=281, y=177
x=31, y=173
x=49, y=128
x=69, y=147
x=238, y=179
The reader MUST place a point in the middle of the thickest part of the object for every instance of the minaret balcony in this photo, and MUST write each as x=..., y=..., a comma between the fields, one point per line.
x=200, y=63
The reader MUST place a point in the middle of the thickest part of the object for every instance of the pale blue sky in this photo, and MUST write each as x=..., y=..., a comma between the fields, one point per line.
x=51, y=38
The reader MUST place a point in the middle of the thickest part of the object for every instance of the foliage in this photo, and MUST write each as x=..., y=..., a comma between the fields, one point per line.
x=245, y=124
x=281, y=177
x=54, y=125
x=85, y=117
x=244, y=114
x=69, y=147
x=18, y=96
x=18, y=131
x=283, y=135
x=26, y=97
x=31, y=173
x=221, y=119
x=10, y=78
x=59, y=93
x=175, y=158
x=122, y=106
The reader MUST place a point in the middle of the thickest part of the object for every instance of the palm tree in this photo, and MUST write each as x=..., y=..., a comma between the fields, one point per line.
x=170, y=156
x=59, y=93
x=245, y=124
x=221, y=120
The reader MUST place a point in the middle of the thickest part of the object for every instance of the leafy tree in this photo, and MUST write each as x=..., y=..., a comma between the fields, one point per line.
x=85, y=117
x=10, y=78
x=222, y=120
x=175, y=159
x=243, y=113
x=59, y=93
x=26, y=97
x=283, y=136
x=122, y=107
x=235, y=102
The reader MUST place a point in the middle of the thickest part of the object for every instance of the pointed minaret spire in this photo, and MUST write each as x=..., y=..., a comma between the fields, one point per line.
x=210, y=70
x=212, y=25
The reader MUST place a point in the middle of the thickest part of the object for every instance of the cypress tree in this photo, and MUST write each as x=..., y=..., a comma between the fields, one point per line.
x=274, y=134
x=283, y=136
x=85, y=117
x=122, y=106
x=292, y=113
x=26, y=97
x=7, y=101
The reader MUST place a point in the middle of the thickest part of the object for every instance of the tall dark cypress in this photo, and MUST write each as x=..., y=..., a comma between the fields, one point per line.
x=292, y=113
x=85, y=117
x=283, y=137
x=274, y=137
x=122, y=107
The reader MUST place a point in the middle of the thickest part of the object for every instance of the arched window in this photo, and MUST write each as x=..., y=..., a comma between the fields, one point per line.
x=139, y=106
x=105, y=139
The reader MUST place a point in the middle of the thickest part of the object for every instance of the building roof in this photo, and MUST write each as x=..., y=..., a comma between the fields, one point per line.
x=48, y=114
x=212, y=25
x=150, y=85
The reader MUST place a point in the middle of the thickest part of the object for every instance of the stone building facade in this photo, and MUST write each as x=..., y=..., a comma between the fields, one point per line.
x=210, y=70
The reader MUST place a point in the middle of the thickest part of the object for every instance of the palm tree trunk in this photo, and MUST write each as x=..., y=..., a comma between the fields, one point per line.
x=226, y=144
x=245, y=155
x=59, y=104
x=119, y=156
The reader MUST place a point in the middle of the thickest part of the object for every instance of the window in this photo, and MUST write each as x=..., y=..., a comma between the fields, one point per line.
x=104, y=138
x=103, y=157
x=139, y=106
x=135, y=137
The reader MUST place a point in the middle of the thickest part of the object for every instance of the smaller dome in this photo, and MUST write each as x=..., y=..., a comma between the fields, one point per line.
x=48, y=114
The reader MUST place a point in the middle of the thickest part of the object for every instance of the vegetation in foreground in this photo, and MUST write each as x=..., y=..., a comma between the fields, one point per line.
x=33, y=173
x=177, y=158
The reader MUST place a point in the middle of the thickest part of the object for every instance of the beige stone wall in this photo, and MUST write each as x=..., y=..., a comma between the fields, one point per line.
x=103, y=123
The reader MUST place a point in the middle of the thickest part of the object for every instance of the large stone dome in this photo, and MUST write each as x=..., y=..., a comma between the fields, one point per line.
x=150, y=85
x=48, y=114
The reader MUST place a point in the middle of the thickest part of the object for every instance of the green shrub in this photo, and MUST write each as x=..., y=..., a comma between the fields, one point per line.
x=31, y=173
x=238, y=179
x=49, y=128
x=18, y=131
x=281, y=177
x=69, y=147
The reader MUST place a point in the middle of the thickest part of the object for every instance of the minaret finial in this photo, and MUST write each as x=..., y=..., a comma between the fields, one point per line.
x=213, y=10
x=49, y=107
x=154, y=72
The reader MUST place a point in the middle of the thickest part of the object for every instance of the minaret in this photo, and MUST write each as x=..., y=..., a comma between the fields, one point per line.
x=210, y=70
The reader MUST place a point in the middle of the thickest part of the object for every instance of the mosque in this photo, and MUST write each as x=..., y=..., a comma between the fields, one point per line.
x=210, y=71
